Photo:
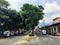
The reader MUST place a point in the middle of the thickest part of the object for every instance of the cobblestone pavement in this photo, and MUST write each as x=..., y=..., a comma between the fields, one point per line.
x=34, y=40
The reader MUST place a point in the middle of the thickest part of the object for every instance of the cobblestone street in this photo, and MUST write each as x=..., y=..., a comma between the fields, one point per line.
x=35, y=40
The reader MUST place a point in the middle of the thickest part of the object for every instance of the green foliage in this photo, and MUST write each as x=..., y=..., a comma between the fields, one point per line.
x=26, y=18
x=31, y=15
x=10, y=17
x=4, y=17
x=3, y=4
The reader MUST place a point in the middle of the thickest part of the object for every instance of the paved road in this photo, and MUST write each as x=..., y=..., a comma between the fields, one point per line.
x=35, y=40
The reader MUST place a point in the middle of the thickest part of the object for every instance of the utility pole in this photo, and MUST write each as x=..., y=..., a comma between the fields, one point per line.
x=44, y=23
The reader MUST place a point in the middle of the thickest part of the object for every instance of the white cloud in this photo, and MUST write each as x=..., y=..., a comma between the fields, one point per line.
x=13, y=4
x=55, y=15
x=47, y=20
x=17, y=4
x=51, y=7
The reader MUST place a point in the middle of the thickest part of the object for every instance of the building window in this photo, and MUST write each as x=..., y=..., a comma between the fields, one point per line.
x=58, y=29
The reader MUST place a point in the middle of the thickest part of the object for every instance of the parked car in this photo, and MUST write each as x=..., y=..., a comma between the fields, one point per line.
x=6, y=33
x=12, y=33
x=31, y=33
x=16, y=32
x=43, y=32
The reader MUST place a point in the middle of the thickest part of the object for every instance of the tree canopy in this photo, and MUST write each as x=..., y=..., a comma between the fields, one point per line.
x=26, y=18
x=31, y=15
x=3, y=4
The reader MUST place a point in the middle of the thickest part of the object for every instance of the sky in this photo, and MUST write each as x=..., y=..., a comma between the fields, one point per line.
x=51, y=7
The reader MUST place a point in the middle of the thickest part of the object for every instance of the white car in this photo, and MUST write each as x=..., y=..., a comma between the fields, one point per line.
x=43, y=31
x=6, y=33
x=16, y=32
x=12, y=33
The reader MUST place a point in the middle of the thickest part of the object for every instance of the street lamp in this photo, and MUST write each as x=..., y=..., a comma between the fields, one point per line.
x=44, y=23
x=1, y=28
x=1, y=24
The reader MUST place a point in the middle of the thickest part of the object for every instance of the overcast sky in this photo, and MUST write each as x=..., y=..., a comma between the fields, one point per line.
x=51, y=7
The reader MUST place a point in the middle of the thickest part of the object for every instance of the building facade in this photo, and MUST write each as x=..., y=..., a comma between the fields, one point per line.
x=54, y=29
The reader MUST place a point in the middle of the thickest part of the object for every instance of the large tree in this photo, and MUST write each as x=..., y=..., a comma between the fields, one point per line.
x=4, y=4
x=10, y=17
x=3, y=9
x=31, y=15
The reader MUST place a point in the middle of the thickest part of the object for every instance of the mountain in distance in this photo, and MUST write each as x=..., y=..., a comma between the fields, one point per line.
x=44, y=23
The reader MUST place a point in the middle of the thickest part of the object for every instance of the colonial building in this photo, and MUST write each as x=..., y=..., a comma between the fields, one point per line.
x=53, y=29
